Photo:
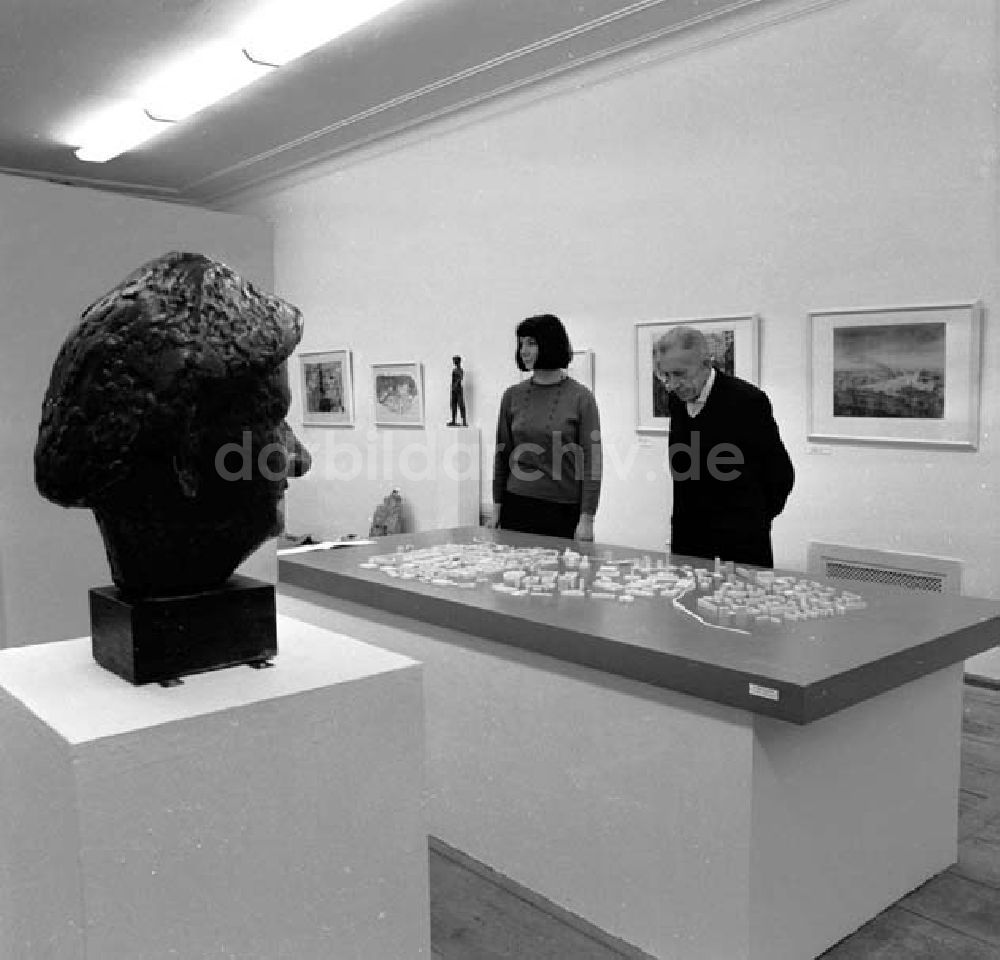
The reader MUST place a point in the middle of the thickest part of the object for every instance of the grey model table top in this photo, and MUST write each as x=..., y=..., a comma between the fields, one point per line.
x=796, y=671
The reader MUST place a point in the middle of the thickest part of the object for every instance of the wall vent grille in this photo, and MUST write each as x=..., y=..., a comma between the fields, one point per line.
x=886, y=567
x=894, y=578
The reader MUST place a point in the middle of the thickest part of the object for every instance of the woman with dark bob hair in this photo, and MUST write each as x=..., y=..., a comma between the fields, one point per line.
x=547, y=464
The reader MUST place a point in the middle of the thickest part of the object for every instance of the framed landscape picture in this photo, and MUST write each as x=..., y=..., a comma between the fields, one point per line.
x=327, y=389
x=398, y=394
x=896, y=375
x=735, y=347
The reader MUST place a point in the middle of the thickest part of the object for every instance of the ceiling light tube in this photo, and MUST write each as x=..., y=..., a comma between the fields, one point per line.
x=205, y=76
x=289, y=30
x=114, y=130
x=214, y=71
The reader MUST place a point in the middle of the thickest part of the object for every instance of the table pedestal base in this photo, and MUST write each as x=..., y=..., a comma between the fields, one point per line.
x=683, y=827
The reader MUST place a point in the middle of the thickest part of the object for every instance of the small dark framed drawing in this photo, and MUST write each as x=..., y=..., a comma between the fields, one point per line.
x=327, y=389
x=398, y=394
x=896, y=375
x=735, y=346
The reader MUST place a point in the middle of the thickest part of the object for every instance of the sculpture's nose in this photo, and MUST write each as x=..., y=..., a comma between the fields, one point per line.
x=299, y=459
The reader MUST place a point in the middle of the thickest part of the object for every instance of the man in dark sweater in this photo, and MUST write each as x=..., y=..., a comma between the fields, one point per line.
x=731, y=473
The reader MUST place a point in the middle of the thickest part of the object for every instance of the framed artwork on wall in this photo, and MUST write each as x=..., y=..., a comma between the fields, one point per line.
x=896, y=375
x=581, y=368
x=398, y=394
x=327, y=388
x=735, y=345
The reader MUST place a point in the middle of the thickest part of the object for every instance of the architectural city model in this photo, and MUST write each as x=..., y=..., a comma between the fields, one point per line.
x=724, y=595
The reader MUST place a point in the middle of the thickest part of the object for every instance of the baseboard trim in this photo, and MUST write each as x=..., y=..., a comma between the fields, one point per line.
x=578, y=923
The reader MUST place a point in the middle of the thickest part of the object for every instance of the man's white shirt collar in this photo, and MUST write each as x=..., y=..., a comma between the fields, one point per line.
x=694, y=407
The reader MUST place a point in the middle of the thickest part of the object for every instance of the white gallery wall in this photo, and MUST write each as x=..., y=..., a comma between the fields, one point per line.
x=800, y=156
x=60, y=248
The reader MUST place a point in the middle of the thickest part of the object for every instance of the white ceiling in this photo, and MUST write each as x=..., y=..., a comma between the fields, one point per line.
x=422, y=59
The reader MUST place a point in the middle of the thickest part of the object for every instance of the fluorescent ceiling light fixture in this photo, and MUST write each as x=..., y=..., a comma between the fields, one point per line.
x=113, y=130
x=210, y=72
x=288, y=30
x=206, y=75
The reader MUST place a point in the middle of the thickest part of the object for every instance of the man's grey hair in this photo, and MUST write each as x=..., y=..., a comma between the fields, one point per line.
x=685, y=338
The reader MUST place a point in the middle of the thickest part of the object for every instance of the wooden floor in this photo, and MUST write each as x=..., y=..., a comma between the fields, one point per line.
x=955, y=916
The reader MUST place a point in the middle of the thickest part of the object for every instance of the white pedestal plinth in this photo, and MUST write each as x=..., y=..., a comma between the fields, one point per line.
x=456, y=497
x=258, y=815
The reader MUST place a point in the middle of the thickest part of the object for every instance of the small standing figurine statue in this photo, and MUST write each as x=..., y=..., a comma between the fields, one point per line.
x=457, y=393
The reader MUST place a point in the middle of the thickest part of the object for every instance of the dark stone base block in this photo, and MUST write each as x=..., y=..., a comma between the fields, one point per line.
x=162, y=639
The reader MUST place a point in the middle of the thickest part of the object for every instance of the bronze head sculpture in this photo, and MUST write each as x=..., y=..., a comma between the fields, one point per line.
x=165, y=416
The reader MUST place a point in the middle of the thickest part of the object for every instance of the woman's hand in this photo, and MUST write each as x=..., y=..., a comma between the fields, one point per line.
x=493, y=522
x=585, y=528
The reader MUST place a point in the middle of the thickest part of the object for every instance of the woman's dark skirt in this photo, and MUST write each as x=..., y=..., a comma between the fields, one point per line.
x=544, y=517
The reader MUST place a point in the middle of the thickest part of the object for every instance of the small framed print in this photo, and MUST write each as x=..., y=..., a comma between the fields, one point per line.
x=735, y=347
x=896, y=375
x=327, y=389
x=398, y=394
